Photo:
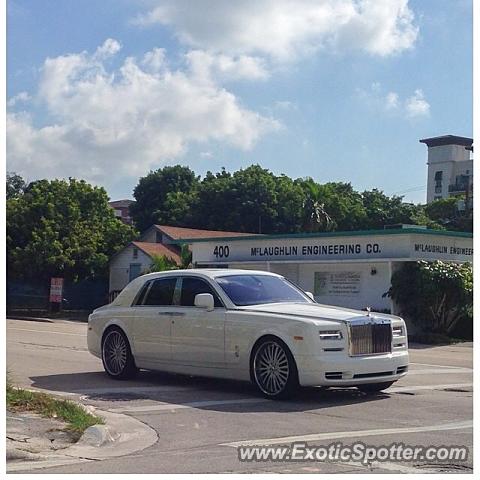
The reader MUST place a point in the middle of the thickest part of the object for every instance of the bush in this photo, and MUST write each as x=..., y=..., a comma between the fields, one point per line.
x=435, y=296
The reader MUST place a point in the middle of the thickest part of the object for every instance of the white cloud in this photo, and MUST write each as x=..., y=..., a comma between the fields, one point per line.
x=287, y=29
x=414, y=106
x=215, y=67
x=109, y=48
x=20, y=97
x=108, y=125
x=286, y=105
x=417, y=106
x=392, y=101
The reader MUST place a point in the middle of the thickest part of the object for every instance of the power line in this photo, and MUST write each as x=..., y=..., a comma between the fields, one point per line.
x=411, y=189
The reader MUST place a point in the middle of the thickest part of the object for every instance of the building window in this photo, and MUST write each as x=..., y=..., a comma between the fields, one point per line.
x=135, y=253
x=158, y=237
x=437, y=197
x=438, y=181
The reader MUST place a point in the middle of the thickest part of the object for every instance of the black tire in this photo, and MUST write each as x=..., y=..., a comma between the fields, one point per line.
x=372, y=388
x=117, y=357
x=278, y=378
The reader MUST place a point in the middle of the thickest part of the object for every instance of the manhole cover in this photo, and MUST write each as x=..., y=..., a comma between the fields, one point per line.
x=445, y=467
x=117, y=397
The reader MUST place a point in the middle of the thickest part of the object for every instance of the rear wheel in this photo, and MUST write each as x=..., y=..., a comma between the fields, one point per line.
x=117, y=357
x=273, y=369
x=371, y=388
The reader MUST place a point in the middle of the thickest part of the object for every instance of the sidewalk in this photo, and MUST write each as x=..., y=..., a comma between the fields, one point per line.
x=34, y=442
x=31, y=437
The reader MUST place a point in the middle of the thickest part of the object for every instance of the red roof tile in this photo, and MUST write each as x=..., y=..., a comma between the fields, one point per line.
x=177, y=233
x=158, y=249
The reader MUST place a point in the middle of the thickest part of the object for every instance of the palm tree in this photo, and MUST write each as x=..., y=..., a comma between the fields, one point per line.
x=161, y=263
x=316, y=218
x=185, y=256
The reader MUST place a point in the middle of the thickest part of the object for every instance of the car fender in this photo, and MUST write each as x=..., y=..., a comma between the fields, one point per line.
x=124, y=326
x=286, y=338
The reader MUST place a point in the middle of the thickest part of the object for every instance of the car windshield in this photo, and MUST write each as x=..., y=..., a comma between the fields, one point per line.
x=246, y=290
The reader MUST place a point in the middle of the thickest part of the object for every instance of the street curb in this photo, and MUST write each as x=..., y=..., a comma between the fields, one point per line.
x=121, y=435
x=32, y=319
x=45, y=319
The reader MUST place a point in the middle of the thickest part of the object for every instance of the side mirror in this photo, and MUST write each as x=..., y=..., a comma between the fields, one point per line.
x=310, y=296
x=205, y=300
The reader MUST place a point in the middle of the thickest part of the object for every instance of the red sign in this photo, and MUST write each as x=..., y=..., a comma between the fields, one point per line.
x=56, y=290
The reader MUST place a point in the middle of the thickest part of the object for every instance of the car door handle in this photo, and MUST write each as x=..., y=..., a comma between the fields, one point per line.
x=177, y=314
x=164, y=313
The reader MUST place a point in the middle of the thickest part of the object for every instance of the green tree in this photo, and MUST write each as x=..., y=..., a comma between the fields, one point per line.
x=245, y=201
x=185, y=256
x=62, y=228
x=290, y=205
x=381, y=210
x=315, y=216
x=436, y=296
x=256, y=203
x=15, y=185
x=161, y=263
x=163, y=196
x=446, y=212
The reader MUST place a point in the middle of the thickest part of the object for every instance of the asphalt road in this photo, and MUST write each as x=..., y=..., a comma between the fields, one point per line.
x=200, y=422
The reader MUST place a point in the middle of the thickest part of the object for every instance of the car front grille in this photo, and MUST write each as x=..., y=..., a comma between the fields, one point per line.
x=370, y=338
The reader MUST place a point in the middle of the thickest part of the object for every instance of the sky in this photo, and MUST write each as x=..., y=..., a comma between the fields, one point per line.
x=337, y=90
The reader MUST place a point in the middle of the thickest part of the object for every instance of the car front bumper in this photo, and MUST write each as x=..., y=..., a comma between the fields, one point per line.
x=337, y=369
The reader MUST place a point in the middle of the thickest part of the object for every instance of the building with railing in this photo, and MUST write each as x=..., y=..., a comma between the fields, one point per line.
x=450, y=167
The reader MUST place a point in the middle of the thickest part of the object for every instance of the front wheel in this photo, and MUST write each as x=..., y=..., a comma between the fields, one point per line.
x=117, y=357
x=273, y=369
x=371, y=388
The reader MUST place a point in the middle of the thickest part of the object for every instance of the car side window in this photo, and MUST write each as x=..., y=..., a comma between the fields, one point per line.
x=192, y=286
x=161, y=292
x=140, y=298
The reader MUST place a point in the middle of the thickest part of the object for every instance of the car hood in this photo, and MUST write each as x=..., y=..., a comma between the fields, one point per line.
x=316, y=311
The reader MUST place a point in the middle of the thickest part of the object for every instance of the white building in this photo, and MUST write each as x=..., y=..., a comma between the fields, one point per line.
x=350, y=269
x=450, y=168
x=159, y=240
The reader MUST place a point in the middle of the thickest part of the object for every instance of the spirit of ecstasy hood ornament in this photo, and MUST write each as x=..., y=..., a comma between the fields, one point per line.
x=368, y=311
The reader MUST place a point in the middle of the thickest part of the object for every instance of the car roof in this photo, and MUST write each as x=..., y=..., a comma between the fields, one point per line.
x=127, y=295
x=209, y=272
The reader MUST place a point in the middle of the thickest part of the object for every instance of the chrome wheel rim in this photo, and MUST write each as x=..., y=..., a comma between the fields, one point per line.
x=114, y=353
x=271, y=368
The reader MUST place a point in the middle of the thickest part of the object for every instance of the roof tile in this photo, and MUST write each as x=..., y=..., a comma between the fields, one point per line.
x=158, y=249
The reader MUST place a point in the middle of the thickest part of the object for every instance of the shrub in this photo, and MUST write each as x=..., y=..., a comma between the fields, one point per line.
x=435, y=296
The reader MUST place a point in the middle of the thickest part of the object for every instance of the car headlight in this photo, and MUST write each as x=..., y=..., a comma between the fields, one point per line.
x=397, y=331
x=330, y=335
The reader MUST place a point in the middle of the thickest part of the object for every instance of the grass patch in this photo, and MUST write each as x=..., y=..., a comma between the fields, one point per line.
x=77, y=419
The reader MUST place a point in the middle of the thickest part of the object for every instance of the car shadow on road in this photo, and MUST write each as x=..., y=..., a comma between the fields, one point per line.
x=178, y=389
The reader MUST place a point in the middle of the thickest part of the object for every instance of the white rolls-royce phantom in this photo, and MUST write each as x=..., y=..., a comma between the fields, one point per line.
x=245, y=325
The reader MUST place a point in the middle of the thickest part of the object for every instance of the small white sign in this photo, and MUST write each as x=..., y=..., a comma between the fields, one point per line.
x=337, y=284
x=56, y=290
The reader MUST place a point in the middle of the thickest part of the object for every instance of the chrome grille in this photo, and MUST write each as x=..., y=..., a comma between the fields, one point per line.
x=370, y=338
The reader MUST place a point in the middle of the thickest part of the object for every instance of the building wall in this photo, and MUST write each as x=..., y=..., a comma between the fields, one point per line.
x=452, y=160
x=346, y=284
x=120, y=267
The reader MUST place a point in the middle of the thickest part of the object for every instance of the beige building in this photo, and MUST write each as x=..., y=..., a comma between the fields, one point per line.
x=450, y=166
